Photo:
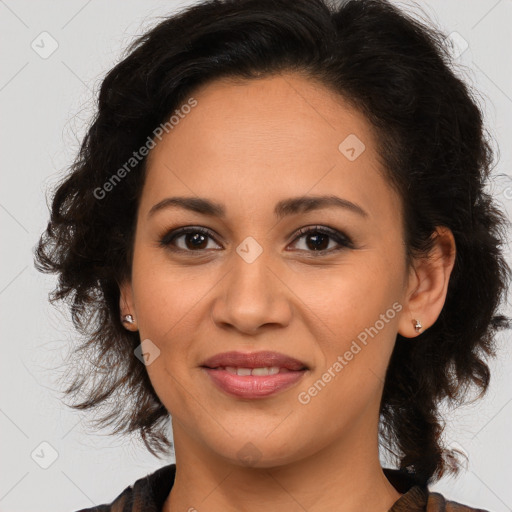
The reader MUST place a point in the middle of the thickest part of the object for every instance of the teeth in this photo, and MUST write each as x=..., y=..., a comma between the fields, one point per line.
x=272, y=370
x=268, y=370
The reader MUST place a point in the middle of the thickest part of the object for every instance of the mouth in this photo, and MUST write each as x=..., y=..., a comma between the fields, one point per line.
x=253, y=375
x=264, y=370
x=254, y=361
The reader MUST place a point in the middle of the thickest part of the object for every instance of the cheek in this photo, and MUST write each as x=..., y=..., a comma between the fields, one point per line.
x=346, y=299
x=167, y=295
x=349, y=381
x=355, y=325
x=169, y=319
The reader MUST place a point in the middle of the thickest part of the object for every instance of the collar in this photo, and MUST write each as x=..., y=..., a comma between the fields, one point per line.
x=149, y=493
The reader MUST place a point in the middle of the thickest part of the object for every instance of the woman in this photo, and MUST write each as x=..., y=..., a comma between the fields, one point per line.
x=276, y=233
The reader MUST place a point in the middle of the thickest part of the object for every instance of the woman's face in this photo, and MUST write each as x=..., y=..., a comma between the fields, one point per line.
x=252, y=164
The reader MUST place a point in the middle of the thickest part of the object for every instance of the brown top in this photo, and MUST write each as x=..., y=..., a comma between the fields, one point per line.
x=148, y=494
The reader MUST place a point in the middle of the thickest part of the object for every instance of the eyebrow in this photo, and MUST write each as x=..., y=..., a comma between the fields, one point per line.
x=282, y=209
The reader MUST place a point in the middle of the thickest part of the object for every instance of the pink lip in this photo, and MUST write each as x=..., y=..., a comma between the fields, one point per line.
x=253, y=360
x=253, y=386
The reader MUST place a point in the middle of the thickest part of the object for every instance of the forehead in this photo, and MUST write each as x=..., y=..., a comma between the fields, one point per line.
x=266, y=138
x=270, y=117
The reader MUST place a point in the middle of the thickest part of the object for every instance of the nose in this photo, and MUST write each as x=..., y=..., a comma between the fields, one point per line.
x=252, y=297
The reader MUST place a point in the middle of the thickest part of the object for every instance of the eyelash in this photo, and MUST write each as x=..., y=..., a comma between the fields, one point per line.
x=340, y=238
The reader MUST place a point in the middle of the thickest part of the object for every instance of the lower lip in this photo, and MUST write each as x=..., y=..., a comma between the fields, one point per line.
x=253, y=386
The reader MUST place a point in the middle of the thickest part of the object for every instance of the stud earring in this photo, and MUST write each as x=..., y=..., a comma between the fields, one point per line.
x=417, y=325
x=127, y=319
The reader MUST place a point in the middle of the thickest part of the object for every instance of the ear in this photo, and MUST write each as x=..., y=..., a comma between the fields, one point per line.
x=428, y=284
x=126, y=304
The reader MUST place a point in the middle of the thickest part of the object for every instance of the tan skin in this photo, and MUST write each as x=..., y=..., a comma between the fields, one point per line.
x=248, y=145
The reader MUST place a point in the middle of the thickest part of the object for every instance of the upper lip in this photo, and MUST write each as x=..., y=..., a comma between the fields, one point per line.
x=253, y=360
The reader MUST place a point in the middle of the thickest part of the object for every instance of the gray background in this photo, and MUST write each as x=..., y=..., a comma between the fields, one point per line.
x=45, y=106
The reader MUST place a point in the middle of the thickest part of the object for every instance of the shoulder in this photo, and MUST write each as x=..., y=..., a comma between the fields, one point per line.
x=147, y=493
x=116, y=505
x=436, y=502
x=417, y=497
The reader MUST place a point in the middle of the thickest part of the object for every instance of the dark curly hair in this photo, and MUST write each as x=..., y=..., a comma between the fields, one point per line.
x=395, y=70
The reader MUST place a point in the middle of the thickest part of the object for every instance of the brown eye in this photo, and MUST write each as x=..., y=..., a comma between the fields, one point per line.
x=189, y=239
x=322, y=240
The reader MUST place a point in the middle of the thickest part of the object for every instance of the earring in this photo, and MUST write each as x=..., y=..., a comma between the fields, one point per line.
x=127, y=319
x=417, y=325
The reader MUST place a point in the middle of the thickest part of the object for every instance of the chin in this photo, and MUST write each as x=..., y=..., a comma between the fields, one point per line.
x=261, y=451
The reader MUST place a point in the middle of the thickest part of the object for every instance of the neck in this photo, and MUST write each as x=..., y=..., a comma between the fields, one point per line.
x=346, y=477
